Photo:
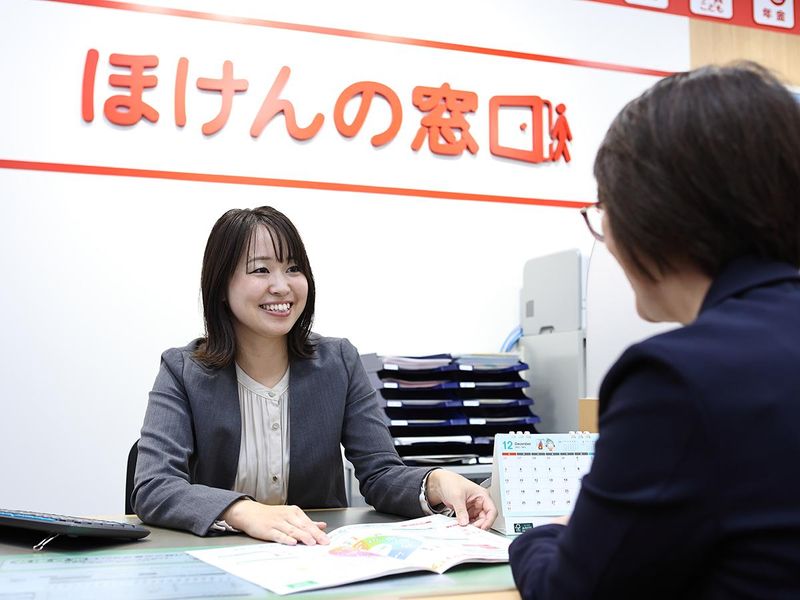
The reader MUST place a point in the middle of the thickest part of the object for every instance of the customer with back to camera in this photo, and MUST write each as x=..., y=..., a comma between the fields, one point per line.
x=245, y=425
x=699, y=188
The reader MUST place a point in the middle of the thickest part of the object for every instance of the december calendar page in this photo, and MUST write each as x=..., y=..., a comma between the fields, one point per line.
x=540, y=474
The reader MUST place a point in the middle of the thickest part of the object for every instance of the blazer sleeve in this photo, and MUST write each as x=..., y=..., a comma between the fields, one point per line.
x=163, y=493
x=643, y=520
x=386, y=483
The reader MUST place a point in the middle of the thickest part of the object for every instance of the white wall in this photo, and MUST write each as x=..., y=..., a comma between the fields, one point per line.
x=101, y=272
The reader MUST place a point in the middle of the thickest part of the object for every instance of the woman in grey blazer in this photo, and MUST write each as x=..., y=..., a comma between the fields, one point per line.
x=246, y=424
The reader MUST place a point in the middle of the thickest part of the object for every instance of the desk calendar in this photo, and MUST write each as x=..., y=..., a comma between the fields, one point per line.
x=536, y=477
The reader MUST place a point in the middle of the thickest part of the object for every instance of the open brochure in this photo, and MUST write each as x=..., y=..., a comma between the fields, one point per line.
x=360, y=552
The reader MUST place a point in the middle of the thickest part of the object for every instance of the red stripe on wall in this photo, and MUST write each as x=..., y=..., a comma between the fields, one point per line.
x=285, y=183
x=191, y=14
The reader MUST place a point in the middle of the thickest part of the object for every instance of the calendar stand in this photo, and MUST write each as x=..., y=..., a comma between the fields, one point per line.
x=536, y=477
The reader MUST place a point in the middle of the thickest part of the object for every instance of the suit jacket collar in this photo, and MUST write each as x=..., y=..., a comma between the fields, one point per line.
x=744, y=273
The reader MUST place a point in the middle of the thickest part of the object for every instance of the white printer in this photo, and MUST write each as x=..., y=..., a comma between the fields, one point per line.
x=553, y=342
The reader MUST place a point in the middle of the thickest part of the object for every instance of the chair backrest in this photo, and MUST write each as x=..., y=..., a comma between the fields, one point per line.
x=132, y=456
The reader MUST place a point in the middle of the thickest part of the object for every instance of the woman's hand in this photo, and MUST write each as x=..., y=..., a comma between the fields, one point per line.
x=470, y=501
x=284, y=524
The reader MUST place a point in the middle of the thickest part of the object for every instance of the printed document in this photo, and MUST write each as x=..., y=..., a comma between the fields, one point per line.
x=360, y=552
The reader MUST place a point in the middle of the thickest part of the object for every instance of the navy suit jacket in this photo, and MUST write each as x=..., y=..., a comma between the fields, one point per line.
x=190, y=439
x=694, y=490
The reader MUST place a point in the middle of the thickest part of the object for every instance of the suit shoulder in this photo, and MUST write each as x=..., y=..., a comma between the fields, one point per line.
x=663, y=352
x=693, y=354
x=335, y=351
x=176, y=357
x=330, y=345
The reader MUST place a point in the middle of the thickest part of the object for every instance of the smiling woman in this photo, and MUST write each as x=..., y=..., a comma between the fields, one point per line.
x=255, y=253
x=267, y=293
x=245, y=425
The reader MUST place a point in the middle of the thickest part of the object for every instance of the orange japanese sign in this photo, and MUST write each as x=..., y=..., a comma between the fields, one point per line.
x=444, y=125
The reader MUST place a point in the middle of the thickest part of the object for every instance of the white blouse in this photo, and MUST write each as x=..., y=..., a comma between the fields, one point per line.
x=263, y=471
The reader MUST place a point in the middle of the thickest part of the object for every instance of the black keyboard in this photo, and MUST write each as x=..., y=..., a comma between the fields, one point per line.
x=71, y=526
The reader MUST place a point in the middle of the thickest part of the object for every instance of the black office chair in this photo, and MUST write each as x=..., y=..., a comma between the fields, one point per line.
x=132, y=456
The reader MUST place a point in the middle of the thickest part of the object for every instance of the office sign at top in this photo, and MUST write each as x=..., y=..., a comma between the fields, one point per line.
x=445, y=125
x=774, y=15
x=217, y=98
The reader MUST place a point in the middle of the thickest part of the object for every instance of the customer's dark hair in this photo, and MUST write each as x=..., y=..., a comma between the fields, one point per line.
x=229, y=240
x=704, y=167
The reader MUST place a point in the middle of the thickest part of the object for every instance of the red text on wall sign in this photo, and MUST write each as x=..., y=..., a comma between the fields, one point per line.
x=444, y=125
x=445, y=108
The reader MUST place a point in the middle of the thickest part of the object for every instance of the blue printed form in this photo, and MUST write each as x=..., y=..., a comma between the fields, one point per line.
x=149, y=575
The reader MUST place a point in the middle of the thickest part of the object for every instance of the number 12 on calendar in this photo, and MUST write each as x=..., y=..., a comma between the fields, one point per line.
x=536, y=477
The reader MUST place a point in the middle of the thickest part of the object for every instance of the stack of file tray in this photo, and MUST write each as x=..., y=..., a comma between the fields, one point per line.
x=446, y=409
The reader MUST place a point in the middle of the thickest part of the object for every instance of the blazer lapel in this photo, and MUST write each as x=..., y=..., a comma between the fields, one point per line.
x=218, y=425
x=300, y=403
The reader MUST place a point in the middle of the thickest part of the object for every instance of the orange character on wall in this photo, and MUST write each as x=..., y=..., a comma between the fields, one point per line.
x=368, y=90
x=227, y=87
x=560, y=134
x=541, y=110
x=446, y=108
x=129, y=109
x=273, y=105
x=121, y=109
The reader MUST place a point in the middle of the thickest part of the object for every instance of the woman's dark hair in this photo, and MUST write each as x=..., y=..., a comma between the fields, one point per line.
x=702, y=168
x=229, y=240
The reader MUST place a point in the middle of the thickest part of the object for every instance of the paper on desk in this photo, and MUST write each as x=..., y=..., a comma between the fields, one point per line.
x=360, y=552
x=155, y=575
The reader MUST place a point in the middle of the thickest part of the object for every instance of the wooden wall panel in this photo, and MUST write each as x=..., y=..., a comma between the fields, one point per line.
x=719, y=43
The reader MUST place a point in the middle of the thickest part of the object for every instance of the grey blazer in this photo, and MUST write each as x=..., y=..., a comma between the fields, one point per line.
x=189, y=445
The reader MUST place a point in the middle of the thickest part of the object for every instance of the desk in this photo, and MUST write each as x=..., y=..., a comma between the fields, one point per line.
x=464, y=582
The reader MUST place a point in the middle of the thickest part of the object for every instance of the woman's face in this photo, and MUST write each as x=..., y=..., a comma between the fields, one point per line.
x=266, y=297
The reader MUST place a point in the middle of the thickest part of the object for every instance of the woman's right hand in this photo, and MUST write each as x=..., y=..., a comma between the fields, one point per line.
x=283, y=524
